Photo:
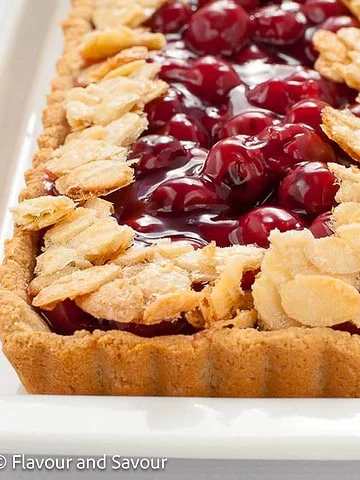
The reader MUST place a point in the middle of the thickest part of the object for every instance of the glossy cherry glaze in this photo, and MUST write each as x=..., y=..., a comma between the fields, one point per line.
x=234, y=148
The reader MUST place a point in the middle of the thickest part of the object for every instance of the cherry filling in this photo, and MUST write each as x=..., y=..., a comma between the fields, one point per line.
x=234, y=149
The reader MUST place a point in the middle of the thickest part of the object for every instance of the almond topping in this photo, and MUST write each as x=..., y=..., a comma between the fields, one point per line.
x=99, y=45
x=342, y=127
x=95, y=179
x=320, y=301
x=41, y=212
x=74, y=285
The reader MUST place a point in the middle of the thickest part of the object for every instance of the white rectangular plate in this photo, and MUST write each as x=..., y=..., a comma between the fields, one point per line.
x=30, y=43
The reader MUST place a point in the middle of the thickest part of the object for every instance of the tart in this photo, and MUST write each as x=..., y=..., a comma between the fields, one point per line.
x=191, y=222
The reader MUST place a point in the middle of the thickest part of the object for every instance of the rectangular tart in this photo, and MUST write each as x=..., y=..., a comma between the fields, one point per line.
x=291, y=333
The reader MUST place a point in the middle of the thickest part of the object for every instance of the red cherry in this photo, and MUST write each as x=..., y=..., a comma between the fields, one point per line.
x=162, y=109
x=156, y=151
x=277, y=26
x=171, y=17
x=213, y=121
x=189, y=194
x=309, y=188
x=288, y=144
x=250, y=122
x=256, y=225
x=320, y=227
x=255, y=52
x=185, y=128
x=317, y=11
x=279, y=95
x=239, y=167
x=307, y=112
x=219, y=28
x=248, y=5
x=215, y=78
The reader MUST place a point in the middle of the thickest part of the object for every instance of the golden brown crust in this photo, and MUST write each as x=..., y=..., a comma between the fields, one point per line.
x=220, y=361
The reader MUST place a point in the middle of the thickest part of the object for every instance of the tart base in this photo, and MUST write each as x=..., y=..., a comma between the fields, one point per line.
x=296, y=362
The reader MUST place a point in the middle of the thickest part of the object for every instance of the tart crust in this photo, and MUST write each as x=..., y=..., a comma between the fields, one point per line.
x=220, y=361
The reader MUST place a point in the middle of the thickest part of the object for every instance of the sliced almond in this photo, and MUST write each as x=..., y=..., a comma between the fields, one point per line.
x=99, y=44
x=333, y=255
x=171, y=306
x=320, y=301
x=102, y=241
x=95, y=179
x=342, y=127
x=79, y=152
x=267, y=302
x=41, y=212
x=122, y=132
x=118, y=301
x=57, y=258
x=74, y=285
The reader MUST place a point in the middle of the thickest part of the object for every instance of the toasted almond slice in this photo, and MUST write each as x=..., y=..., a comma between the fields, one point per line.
x=331, y=70
x=126, y=70
x=286, y=256
x=320, y=301
x=350, y=37
x=103, y=208
x=333, y=255
x=222, y=300
x=123, y=131
x=41, y=212
x=98, y=45
x=43, y=281
x=161, y=279
x=339, y=57
x=243, y=319
x=76, y=284
x=267, y=303
x=102, y=241
x=79, y=152
x=349, y=180
x=69, y=228
x=330, y=46
x=171, y=306
x=345, y=213
x=58, y=257
x=205, y=264
x=95, y=179
x=351, y=235
x=115, y=13
x=119, y=301
x=147, y=70
x=134, y=256
x=129, y=55
x=342, y=127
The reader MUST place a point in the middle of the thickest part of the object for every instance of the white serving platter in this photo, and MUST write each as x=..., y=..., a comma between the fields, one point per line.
x=30, y=43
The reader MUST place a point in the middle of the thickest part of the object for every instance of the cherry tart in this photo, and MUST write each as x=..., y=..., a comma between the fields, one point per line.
x=194, y=205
